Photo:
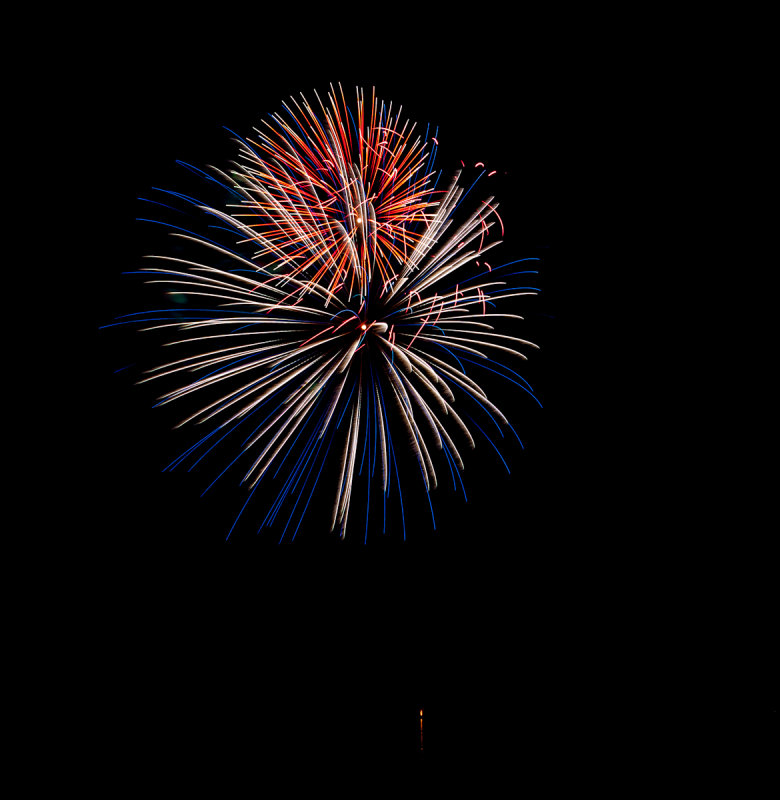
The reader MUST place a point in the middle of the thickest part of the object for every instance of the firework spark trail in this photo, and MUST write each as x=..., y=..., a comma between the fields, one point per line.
x=352, y=305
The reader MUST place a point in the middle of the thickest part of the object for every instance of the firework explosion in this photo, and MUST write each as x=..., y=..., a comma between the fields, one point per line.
x=337, y=321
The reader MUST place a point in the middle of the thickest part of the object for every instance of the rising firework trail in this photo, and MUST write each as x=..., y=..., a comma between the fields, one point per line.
x=346, y=316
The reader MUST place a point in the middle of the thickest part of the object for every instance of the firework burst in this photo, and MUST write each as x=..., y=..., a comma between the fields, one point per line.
x=340, y=317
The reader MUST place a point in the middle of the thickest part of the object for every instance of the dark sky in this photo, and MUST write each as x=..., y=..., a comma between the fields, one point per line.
x=535, y=602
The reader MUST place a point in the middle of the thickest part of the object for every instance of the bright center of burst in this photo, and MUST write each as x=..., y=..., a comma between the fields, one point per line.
x=377, y=327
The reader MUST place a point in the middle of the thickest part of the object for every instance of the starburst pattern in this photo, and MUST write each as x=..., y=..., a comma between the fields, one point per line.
x=344, y=311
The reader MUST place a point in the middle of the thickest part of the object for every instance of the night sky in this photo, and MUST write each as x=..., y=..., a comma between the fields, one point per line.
x=549, y=626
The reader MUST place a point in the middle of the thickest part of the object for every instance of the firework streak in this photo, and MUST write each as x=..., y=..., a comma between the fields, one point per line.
x=340, y=315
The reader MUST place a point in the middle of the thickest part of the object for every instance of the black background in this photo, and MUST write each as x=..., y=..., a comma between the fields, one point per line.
x=557, y=625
